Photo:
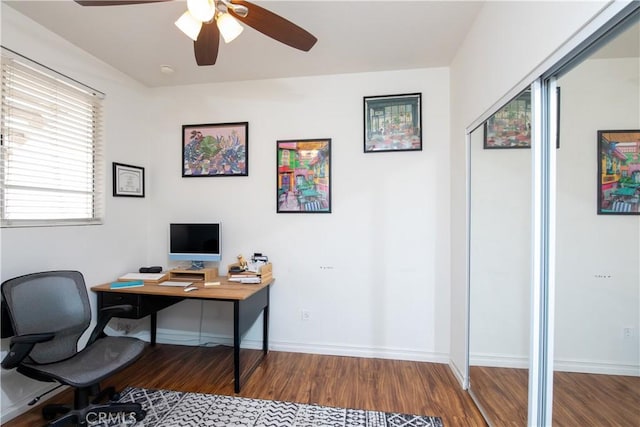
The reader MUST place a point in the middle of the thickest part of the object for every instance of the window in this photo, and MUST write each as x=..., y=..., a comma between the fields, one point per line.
x=51, y=168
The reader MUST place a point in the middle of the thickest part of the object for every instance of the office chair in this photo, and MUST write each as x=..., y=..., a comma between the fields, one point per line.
x=49, y=311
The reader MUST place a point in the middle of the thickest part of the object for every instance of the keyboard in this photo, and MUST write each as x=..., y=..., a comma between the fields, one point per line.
x=180, y=284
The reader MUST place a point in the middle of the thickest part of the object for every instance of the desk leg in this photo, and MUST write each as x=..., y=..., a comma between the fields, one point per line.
x=154, y=326
x=265, y=327
x=236, y=346
x=245, y=314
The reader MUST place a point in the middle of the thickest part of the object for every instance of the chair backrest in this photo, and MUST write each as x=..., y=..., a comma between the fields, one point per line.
x=51, y=301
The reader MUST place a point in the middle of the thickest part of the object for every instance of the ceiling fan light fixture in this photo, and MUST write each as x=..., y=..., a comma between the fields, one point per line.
x=229, y=27
x=189, y=25
x=202, y=10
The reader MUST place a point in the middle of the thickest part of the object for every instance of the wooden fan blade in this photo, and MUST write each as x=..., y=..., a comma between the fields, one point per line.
x=206, y=47
x=275, y=26
x=115, y=2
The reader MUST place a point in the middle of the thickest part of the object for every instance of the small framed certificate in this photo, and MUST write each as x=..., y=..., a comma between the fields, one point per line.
x=128, y=181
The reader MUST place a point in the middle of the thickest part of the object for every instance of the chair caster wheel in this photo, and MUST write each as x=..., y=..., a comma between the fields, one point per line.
x=51, y=412
x=48, y=415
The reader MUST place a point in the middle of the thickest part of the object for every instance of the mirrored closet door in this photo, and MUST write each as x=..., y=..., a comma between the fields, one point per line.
x=586, y=364
x=500, y=268
x=597, y=283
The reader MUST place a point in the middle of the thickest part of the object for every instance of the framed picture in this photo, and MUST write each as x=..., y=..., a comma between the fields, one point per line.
x=128, y=181
x=215, y=150
x=510, y=127
x=304, y=176
x=393, y=123
x=619, y=172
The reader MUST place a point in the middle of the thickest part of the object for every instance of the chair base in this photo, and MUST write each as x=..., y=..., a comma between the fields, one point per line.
x=125, y=414
x=50, y=412
x=83, y=413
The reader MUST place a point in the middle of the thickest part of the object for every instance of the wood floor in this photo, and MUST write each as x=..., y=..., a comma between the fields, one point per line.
x=373, y=384
x=578, y=399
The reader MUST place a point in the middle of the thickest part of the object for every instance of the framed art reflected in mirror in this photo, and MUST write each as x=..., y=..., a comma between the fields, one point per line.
x=510, y=126
x=619, y=172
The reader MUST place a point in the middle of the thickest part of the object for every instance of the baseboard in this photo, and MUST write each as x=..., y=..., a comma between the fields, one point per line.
x=359, y=351
x=20, y=407
x=578, y=366
x=458, y=374
x=167, y=336
x=499, y=361
x=193, y=338
x=596, y=367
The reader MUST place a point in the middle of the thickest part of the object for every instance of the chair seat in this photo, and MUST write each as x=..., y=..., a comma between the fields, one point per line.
x=93, y=364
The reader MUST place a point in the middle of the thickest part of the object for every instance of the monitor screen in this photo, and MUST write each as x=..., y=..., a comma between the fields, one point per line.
x=194, y=242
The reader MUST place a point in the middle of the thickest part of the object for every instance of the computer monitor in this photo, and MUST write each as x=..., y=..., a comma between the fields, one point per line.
x=195, y=242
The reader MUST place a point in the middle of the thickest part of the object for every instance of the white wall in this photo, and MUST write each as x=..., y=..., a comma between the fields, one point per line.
x=371, y=273
x=507, y=41
x=99, y=252
x=598, y=256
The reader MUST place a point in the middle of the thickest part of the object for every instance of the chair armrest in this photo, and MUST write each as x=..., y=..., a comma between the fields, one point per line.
x=104, y=316
x=21, y=346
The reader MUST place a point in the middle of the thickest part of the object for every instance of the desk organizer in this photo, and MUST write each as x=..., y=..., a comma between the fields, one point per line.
x=265, y=272
x=203, y=275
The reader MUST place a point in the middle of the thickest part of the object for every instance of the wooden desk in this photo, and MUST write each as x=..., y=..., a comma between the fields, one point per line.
x=248, y=302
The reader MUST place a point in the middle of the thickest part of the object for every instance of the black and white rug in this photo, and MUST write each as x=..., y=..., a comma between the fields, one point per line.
x=166, y=408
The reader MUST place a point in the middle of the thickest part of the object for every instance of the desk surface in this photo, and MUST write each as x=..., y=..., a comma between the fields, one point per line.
x=225, y=291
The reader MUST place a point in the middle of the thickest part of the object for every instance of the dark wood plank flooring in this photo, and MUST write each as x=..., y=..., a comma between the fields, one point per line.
x=373, y=384
x=579, y=399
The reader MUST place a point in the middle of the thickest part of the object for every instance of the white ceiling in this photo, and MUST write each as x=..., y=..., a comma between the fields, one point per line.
x=353, y=36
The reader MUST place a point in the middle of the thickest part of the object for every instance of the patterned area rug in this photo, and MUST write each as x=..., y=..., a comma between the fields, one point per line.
x=166, y=408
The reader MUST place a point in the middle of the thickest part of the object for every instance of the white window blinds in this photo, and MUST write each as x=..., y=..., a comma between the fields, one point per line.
x=52, y=167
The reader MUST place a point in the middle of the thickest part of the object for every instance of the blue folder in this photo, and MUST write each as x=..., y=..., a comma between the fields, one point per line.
x=131, y=284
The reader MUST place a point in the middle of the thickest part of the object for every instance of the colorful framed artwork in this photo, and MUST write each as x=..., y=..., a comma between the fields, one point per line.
x=304, y=176
x=619, y=172
x=215, y=150
x=510, y=126
x=128, y=181
x=393, y=123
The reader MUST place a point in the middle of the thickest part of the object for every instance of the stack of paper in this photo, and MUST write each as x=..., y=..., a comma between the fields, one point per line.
x=176, y=283
x=246, y=279
x=145, y=277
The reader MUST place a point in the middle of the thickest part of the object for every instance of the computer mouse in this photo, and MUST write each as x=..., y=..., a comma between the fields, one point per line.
x=190, y=288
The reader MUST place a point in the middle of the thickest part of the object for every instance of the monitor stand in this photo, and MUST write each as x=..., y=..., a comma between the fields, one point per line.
x=196, y=265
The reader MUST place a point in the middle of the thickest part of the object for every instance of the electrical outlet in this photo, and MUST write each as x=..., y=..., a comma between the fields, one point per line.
x=628, y=333
x=123, y=327
x=305, y=315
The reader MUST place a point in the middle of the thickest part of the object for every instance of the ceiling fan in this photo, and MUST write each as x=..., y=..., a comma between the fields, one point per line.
x=205, y=20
